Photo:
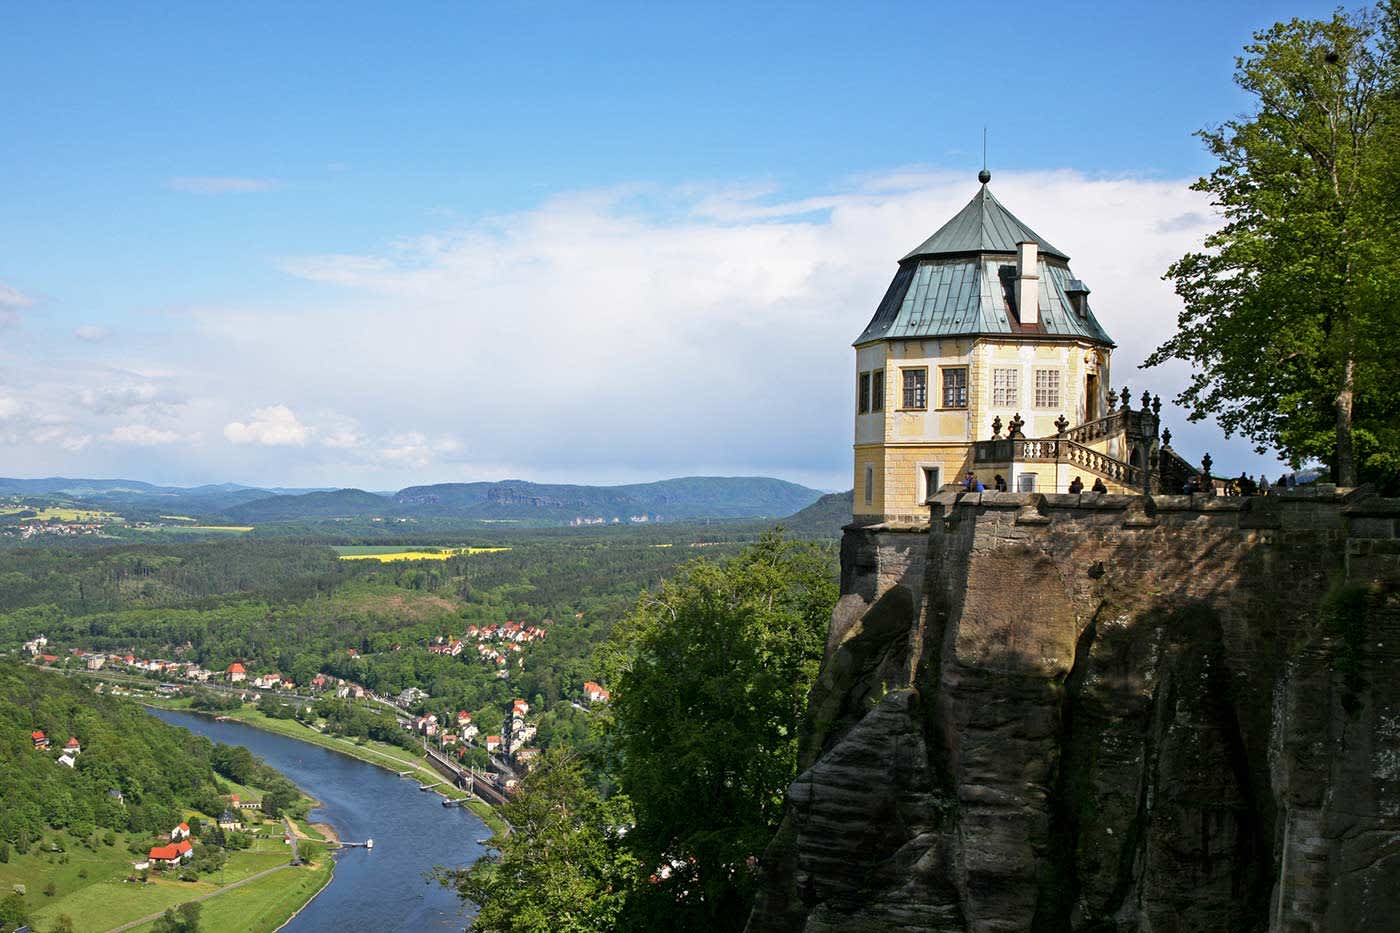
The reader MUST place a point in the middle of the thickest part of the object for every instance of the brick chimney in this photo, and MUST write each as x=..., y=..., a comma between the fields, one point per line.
x=1027, y=283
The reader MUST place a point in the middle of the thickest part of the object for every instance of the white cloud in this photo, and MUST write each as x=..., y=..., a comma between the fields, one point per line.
x=9, y=407
x=91, y=333
x=222, y=184
x=607, y=336
x=273, y=426
x=141, y=435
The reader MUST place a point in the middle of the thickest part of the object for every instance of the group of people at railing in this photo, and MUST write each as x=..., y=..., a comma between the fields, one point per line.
x=971, y=483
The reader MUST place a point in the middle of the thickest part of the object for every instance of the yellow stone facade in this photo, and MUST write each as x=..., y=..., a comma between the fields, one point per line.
x=896, y=446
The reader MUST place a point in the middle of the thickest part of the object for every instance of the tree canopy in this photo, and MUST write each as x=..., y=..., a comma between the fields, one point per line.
x=712, y=676
x=1292, y=310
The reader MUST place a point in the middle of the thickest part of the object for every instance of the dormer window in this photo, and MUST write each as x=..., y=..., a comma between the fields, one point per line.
x=1078, y=294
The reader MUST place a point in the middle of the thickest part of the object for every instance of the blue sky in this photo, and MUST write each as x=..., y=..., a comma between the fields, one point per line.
x=353, y=244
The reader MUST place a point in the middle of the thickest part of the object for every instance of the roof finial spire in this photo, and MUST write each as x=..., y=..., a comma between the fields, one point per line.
x=984, y=176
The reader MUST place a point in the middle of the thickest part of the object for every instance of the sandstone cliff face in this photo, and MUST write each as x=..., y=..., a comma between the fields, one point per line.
x=1105, y=713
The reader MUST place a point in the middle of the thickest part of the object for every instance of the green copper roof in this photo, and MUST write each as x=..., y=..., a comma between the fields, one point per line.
x=984, y=226
x=961, y=283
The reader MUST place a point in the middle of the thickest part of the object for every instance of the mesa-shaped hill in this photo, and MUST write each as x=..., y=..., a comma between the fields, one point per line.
x=683, y=499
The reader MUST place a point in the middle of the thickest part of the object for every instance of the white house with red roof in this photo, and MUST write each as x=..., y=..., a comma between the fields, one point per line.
x=236, y=673
x=72, y=746
x=39, y=739
x=594, y=693
x=180, y=832
x=493, y=743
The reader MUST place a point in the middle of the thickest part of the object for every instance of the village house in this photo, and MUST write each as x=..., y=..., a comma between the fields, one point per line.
x=39, y=739
x=72, y=746
x=463, y=717
x=33, y=645
x=493, y=743
x=168, y=856
x=95, y=662
x=67, y=760
x=230, y=820
x=237, y=673
x=594, y=693
x=180, y=832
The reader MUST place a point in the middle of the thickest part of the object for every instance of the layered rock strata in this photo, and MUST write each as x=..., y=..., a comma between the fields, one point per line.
x=1108, y=713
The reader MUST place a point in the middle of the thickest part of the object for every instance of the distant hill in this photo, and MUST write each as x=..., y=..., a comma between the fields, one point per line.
x=822, y=519
x=685, y=499
x=311, y=506
x=127, y=496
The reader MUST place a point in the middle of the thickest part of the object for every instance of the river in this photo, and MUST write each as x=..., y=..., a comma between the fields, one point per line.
x=379, y=889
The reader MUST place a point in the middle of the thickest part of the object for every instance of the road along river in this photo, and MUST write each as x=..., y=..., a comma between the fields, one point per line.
x=378, y=889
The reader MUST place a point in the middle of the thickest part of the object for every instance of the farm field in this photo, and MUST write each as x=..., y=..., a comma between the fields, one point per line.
x=389, y=552
x=59, y=513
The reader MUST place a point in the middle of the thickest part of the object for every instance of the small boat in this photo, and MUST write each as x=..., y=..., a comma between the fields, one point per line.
x=369, y=843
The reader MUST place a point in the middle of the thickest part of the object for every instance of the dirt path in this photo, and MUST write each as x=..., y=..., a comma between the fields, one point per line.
x=151, y=918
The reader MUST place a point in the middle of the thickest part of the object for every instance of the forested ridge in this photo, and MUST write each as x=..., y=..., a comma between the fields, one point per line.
x=156, y=768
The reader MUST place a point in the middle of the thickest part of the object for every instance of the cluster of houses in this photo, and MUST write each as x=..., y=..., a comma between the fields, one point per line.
x=495, y=643
x=69, y=754
x=29, y=529
x=236, y=673
x=517, y=733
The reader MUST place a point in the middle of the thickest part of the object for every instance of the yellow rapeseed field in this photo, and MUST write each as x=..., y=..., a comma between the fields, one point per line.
x=439, y=554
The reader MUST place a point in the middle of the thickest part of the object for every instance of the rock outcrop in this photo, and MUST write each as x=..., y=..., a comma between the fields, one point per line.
x=1107, y=713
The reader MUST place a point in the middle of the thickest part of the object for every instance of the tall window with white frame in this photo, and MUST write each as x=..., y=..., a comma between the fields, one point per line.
x=1047, y=388
x=916, y=388
x=1006, y=388
x=955, y=387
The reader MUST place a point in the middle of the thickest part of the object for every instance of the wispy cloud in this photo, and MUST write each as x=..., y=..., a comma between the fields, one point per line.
x=90, y=333
x=141, y=435
x=12, y=302
x=222, y=184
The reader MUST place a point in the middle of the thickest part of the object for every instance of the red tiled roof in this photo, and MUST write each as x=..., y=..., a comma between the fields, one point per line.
x=183, y=827
x=164, y=853
x=72, y=742
x=183, y=846
x=37, y=734
x=236, y=668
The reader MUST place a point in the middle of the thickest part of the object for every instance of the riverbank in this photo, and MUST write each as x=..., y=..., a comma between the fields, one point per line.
x=379, y=888
x=380, y=754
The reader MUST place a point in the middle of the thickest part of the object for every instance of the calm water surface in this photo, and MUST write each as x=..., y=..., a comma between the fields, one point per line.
x=380, y=889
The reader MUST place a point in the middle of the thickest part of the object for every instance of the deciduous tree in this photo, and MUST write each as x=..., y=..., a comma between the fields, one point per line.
x=711, y=677
x=1292, y=311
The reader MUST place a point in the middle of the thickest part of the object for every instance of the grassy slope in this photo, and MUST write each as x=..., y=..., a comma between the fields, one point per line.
x=104, y=899
x=264, y=905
